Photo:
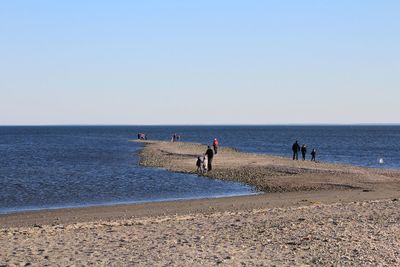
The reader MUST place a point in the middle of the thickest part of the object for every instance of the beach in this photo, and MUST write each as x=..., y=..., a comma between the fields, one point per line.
x=309, y=214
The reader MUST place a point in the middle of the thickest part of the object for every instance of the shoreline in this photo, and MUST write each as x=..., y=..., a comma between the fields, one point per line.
x=190, y=206
x=124, y=203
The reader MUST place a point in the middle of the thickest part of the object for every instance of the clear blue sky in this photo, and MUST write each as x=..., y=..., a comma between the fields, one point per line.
x=199, y=62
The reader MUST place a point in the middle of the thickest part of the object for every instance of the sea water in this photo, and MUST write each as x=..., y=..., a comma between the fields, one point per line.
x=74, y=166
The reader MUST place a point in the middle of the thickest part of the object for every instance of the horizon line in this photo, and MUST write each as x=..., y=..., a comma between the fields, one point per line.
x=213, y=124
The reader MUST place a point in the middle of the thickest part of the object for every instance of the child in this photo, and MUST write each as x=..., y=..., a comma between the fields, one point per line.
x=313, y=154
x=199, y=164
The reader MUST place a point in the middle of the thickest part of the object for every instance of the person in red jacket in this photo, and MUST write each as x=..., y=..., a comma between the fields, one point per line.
x=215, y=145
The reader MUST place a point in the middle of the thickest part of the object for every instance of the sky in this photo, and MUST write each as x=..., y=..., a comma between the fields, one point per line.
x=199, y=62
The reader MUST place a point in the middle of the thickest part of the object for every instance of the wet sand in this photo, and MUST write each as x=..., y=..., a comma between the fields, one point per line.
x=311, y=214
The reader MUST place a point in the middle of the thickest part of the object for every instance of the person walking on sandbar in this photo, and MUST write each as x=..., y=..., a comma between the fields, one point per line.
x=296, y=149
x=210, y=155
x=199, y=165
x=313, y=154
x=215, y=145
x=304, y=151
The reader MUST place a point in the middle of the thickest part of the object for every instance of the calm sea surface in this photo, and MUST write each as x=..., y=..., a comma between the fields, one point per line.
x=75, y=166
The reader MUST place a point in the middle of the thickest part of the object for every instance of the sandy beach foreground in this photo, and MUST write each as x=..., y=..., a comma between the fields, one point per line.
x=312, y=214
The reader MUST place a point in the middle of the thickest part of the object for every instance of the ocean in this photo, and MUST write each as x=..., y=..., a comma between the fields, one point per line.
x=45, y=167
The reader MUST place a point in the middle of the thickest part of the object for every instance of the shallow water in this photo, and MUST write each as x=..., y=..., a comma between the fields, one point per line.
x=52, y=167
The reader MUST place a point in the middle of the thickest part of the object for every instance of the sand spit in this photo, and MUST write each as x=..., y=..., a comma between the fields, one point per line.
x=266, y=173
x=357, y=233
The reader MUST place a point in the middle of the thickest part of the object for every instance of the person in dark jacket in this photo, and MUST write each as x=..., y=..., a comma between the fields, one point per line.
x=313, y=154
x=210, y=155
x=304, y=151
x=296, y=149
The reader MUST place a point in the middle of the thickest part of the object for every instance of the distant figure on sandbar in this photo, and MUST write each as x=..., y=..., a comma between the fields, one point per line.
x=175, y=138
x=304, y=151
x=296, y=149
x=313, y=154
x=215, y=145
x=199, y=164
x=210, y=155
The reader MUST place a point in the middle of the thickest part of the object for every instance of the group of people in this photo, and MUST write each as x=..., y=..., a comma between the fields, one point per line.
x=141, y=136
x=303, y=149
x=175, y=137
x=204, y=163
